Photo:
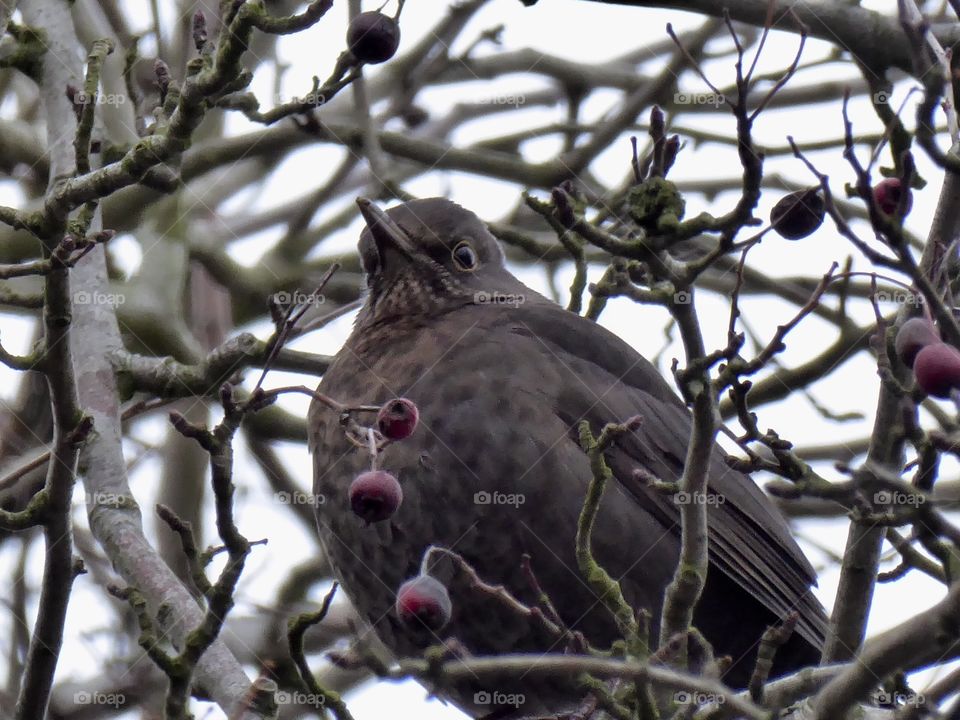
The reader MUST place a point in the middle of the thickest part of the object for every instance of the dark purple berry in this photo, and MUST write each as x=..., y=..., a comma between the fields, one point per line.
x=937, y=369
x=424, y=602
x=414, y=116
x=375, y=495
x=373, y=37
x=398, y=418
x=887, y=193
x=914, y=335
x=798, y=214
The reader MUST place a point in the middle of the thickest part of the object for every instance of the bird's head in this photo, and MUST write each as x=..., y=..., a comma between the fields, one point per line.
x=427, y=257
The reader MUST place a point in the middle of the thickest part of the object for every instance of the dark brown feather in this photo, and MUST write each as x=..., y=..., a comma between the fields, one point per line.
x=501, y=388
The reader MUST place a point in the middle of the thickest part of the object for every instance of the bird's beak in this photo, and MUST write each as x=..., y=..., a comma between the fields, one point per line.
x=385, y=231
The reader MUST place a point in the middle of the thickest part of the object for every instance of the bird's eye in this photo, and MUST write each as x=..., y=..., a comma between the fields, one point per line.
x=464, y=256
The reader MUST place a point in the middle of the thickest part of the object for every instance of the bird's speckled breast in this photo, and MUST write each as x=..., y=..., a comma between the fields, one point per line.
x=439, y=484
x=441, y=505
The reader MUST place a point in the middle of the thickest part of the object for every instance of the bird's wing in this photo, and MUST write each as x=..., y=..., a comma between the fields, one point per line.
x=608, y=381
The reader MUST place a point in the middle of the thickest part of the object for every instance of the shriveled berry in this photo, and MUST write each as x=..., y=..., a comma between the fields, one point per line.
x=798, y=214
x=398, y=418
x=423, y=602
x=375, y=495
x=414, y=116
x=373, y=37
x=914, y=335
x=887, y=194
x=937, y=369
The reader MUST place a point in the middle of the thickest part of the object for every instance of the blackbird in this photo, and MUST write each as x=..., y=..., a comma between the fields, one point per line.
x=494, y=471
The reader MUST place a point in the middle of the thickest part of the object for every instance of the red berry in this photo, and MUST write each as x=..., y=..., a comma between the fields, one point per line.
x=914, y=335
x=887, y=193
x=424, y=602
x=937, y=369
x=375, y=495
x=798, y=214
x=373, y=37
x=397, y=418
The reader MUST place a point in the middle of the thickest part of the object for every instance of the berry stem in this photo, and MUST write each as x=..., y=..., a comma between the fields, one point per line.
x=373, y=446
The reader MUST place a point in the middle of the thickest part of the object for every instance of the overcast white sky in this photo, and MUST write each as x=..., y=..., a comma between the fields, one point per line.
x=592, y=33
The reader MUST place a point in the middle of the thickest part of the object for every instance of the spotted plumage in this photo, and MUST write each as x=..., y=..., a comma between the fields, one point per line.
x=494, y=471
